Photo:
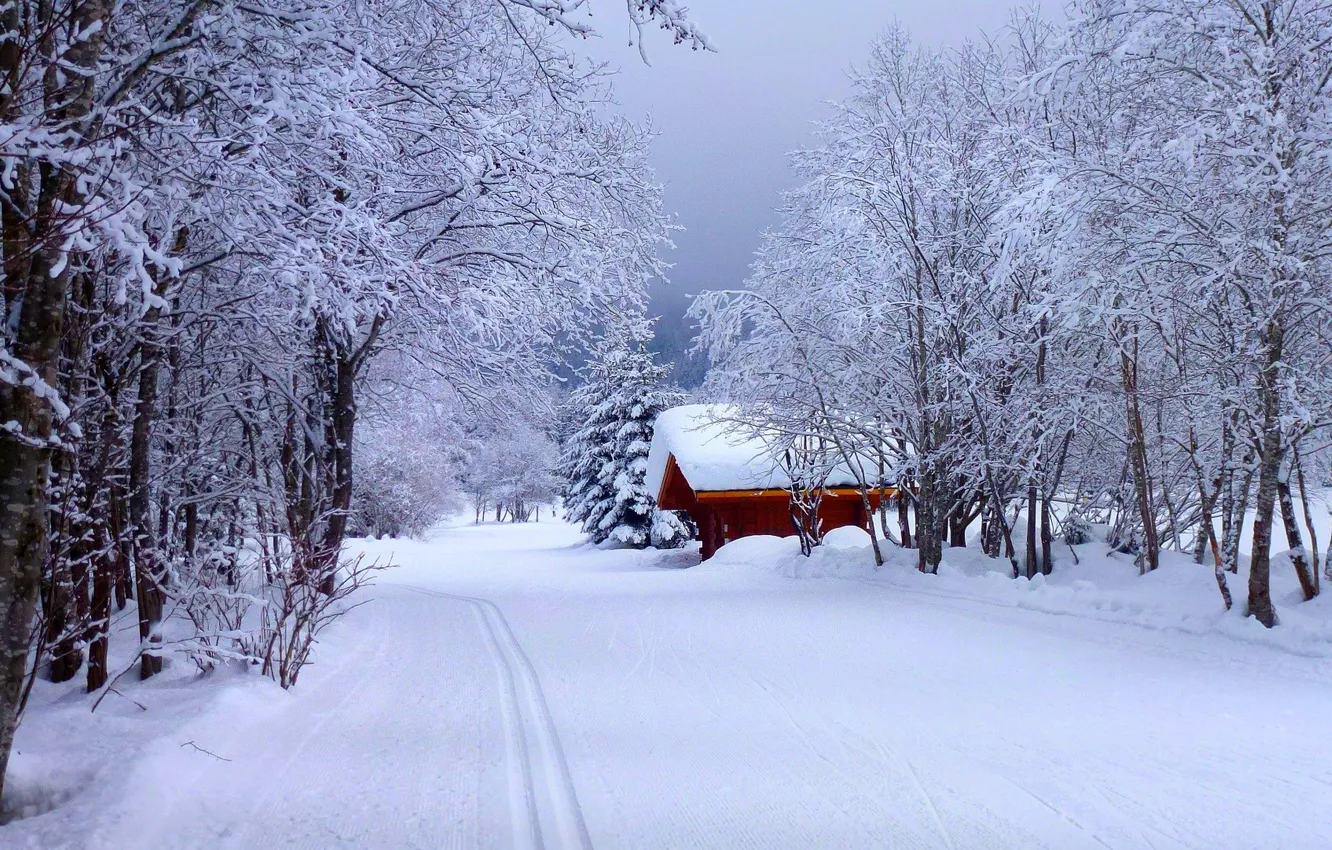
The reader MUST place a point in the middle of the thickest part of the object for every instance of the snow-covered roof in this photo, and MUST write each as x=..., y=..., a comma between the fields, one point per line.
x=714, y=453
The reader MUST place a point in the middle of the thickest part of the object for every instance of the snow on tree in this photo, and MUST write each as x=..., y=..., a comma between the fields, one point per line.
x=511, y=469
x=1066, y=269
x=218, y=217
x=605, y=457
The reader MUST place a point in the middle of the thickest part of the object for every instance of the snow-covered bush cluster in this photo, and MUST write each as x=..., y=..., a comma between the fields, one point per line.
x=1078, y=265
x=510, y=469
x=406, y=463
x=218, y=217
x=605, y=456
x=1077, y=530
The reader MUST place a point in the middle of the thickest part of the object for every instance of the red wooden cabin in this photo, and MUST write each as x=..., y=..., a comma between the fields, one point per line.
x=728, y=484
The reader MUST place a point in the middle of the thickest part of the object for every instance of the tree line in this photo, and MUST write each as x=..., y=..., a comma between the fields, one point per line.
x=233, y=232
x=1077, y=274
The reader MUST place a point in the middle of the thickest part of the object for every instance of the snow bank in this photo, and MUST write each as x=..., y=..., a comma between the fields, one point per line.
x=72, y=768
x=715, y=454
x=847, y=537
x=1102, y=585
x=757, y=550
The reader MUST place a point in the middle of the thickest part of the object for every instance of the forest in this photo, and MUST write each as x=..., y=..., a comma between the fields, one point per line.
x=281, y=274
x=1073, y=277
x=254, y=270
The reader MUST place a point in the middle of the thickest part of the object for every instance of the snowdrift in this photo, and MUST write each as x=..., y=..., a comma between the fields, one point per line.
x=1098, y=584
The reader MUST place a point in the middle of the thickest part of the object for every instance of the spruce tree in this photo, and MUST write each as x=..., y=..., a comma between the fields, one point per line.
x=605, y=456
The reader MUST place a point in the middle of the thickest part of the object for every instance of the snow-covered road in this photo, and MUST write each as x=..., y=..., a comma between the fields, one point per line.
x=509, y=687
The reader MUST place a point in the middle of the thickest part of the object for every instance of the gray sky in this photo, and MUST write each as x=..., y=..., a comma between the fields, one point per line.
x=726, y=120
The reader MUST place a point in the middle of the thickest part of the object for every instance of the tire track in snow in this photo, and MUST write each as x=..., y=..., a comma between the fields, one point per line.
x=544, y=803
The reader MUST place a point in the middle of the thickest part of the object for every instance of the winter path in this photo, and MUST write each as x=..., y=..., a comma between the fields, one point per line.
x=510, y=687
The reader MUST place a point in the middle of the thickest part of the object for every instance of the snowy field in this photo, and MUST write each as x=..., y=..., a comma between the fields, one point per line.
x=509, y=686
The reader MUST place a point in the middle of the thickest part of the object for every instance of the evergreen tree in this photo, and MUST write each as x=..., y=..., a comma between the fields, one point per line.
x=605, y=456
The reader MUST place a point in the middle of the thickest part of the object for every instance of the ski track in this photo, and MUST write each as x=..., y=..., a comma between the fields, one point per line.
x=542, y=787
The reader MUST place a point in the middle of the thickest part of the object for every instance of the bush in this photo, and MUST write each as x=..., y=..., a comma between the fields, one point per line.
x=1077, y=530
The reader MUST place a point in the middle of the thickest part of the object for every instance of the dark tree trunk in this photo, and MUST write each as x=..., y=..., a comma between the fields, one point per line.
x=99, y=615
x=120, y=547
x=191, y=542
x=929, y=531
x=992, y=534
x=1295, y=539
x=1150, y=558
x=62, y=619
x=1031, y=565
x=1269, y=470
x=342, y=417
x=24, y=470
x=957, y=528
x=1047, y=537
x=1308, y=520
x=904, y=516
x=147, y=565
x=36, y=282
x=59, y=607
x=1207, y=537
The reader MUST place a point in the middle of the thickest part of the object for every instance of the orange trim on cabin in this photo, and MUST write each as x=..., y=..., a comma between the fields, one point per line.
x=675, y=493
x=830, y=492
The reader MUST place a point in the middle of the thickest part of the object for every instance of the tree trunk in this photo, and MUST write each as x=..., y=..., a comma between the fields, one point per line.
x=1207, y=534
x=1234, y=505
x=58, y=605
x=1047, y=537
x=343, y=418
x=1031, y=564
x=991, y=532
x=58, y=583
x=957, y=528
x=147, y=566
x=1314, y=562
x=1150, y=558
x=99, y=616
x=929, y=534
x=1295, y=539
x=37, y=272
x=1269, y=470
x=116, y=510
x=25, y=462
x=904, y=515
x=868, y=517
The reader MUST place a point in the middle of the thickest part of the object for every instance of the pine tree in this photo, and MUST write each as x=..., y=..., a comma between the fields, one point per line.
x=605, y=457
x=587, y=448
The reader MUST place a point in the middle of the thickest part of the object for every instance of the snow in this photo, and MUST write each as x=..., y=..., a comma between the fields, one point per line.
x=508, y=685
x=714, y=453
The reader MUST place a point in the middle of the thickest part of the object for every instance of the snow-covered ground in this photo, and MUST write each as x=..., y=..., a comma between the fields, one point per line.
x=509, y=686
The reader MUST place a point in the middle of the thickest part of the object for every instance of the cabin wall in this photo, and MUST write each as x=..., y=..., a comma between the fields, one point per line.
x=721, y=521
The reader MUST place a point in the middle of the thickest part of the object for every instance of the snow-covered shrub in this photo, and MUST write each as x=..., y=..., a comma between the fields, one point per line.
x=671, y=530
x=298, y=609
x=260, y=607
x=1077, y=530
x=405, y=473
